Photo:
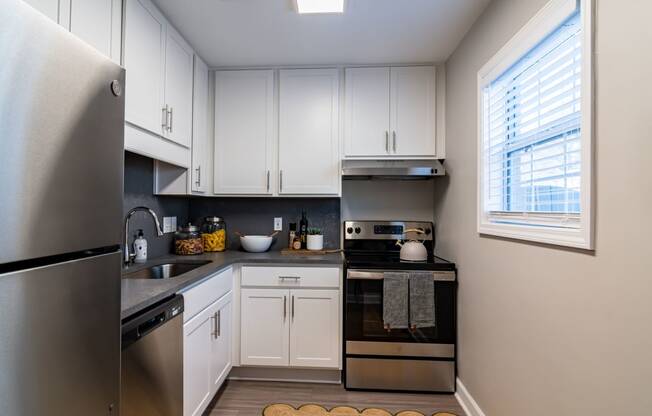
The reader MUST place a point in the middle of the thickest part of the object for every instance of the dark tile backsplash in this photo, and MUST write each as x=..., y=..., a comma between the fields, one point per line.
x=256, y=216
x=139, y=186
x=246, y=215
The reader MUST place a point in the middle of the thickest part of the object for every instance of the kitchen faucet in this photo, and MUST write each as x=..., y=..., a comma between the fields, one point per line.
x=128, y=257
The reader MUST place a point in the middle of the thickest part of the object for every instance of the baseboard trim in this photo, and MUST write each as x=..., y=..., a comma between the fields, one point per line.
x=292, y=375
x=467, y=402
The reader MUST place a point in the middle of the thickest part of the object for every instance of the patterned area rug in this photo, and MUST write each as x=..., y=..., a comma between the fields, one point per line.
x=316, y=410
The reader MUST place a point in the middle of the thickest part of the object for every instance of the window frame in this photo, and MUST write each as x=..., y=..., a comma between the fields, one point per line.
x=552, y=228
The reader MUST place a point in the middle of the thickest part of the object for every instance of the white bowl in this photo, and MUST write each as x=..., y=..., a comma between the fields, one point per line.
x=256, y=243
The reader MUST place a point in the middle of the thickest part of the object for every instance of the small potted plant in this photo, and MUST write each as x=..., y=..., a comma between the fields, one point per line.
x=315, y=240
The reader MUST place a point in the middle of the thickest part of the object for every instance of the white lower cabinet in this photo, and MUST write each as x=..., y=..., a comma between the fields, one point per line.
x=196, y=374
x=314, y=328
x=289, y=327
x=264, y=327
x=207, y=339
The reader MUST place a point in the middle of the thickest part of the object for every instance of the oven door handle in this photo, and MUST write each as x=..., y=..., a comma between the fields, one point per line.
x=364, y=275
x=442, y=276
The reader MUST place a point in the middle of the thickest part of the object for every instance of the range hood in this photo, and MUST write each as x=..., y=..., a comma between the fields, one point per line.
x=391, y=169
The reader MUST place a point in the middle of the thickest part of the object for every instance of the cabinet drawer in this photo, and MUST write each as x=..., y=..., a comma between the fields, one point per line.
x=208, y=291
x=291, y=276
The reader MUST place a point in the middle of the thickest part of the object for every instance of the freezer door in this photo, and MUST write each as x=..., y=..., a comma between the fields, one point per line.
x=61, y=138
x=60, y=339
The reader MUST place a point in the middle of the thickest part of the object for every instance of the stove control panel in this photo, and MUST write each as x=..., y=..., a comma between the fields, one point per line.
x=387, y=230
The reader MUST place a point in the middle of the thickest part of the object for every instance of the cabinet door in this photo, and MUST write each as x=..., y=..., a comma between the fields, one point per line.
x=264, y=327
x=99, y=23
x=221, y=345
x=308, y=132
x=366, y=122
x=200, y=146
x=197, y=387
x=178, y=87
x=50, y=8
x=144, y=61
x=412, y=119
x=244, y=132
x=315, y=328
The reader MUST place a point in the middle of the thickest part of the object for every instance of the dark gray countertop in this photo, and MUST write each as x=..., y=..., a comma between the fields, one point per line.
x=138, y=294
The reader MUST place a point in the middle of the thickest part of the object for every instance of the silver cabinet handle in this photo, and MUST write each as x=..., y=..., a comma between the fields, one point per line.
x=387, y=141
x=293, y=307
x=198, y=170
x=285, y=307
x=219, y=323
x=171, y=119
x=280, y=181
x=394, y=137
x=164, y=121
x=267, y=181
x=214, y=331
x=289, y=277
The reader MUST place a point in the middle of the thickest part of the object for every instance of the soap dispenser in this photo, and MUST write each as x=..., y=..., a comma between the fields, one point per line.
x=140, y=248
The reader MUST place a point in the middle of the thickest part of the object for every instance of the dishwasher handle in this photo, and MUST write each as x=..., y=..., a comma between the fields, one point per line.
x=142, y=323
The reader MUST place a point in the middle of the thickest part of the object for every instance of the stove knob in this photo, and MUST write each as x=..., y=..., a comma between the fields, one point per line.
x=357, y=230
x=349, y=230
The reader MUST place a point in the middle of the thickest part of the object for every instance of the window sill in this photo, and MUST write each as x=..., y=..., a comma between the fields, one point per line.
x=558, y=236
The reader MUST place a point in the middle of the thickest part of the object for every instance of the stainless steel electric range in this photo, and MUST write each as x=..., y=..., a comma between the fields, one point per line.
x=378, y=358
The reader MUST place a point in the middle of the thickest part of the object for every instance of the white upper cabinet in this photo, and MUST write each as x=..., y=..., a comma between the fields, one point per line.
x=315, y=328
x=244, y=132
x=390, y=112
x=99, y=23
x=366, y=120
x=50, y=8
x=412, y=119
x=144, y=59
x=178, y=87
x=200, y=137
x=309, y=132
x=158, y=89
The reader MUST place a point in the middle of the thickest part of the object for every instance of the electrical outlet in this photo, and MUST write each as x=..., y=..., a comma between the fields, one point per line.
x=278, y=224
x=169, y=224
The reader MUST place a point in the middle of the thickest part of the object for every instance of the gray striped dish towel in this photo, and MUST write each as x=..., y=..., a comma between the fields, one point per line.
x=422, y=300
x=395, y=300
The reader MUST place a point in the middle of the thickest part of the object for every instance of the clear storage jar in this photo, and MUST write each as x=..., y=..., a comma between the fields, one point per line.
x=213, y=234
x=187, y=241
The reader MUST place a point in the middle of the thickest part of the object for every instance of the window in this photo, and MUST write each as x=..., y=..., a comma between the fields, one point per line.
x=535, y=118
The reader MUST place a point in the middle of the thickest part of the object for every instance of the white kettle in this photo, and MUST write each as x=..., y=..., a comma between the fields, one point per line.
x=413, y=250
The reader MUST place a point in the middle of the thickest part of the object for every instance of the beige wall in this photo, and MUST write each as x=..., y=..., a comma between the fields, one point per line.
x=544, y=330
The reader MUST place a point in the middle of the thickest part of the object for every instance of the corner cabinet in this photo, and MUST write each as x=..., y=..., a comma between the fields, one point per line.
x=290, y=317
x=244, y=132
x=309, y=157
x=158, y=107
x=201, y=146
x=207, y=340
x=390, y=112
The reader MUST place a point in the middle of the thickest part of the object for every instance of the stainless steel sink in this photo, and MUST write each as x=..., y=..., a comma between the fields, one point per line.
x=166, y=270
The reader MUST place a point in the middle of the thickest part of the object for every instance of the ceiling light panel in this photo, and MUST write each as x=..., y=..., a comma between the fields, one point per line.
x=320, y=6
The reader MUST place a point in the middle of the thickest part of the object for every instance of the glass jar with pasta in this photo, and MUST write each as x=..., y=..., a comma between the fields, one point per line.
x=187, y=241
x=213, y=234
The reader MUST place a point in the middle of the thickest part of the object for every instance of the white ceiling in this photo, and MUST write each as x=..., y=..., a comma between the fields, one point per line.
x=270, y=33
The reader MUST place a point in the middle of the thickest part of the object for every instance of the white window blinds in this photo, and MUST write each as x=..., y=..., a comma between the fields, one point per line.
x=531, y=120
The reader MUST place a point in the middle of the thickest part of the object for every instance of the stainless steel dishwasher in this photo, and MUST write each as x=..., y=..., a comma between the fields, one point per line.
x=152, y=361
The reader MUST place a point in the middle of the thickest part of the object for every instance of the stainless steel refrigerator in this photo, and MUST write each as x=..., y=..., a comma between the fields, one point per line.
x=61, y=181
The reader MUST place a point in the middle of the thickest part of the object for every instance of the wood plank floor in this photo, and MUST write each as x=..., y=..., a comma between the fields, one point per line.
x=248, y=398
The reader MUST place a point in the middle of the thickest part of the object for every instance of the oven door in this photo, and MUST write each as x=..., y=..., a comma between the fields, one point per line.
x=364, y=313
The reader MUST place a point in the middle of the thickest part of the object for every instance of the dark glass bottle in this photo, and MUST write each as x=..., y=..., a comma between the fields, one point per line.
x=303, y=229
